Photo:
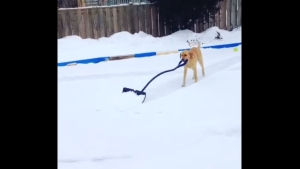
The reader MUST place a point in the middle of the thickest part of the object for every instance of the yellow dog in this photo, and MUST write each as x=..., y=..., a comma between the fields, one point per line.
x=193, y=55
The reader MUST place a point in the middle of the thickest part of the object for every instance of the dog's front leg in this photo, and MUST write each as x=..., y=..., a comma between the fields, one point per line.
x=184, y=76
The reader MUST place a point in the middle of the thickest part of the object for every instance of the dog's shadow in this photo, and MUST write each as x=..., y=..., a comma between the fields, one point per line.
x=173, y=85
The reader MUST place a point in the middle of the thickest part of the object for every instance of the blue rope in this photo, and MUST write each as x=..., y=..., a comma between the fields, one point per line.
x=180, y=64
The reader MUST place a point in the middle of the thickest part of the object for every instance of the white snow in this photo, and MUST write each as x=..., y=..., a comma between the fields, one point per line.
x=74, y=48
x=195, y=127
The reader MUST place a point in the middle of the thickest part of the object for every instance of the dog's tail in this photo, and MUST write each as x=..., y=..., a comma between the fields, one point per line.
x=199, y=45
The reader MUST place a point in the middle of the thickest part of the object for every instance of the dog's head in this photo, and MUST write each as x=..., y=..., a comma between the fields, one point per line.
x=186, y=55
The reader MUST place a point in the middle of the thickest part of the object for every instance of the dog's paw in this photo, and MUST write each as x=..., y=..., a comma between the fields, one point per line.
x=196, y=80
x=193, y=77
x=183, y=85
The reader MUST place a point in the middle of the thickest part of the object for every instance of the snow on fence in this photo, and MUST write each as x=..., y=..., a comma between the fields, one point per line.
x=103, y=21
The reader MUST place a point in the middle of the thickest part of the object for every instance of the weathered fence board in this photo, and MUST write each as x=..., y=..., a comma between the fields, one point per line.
x=161, y=26
x=108, y=22
x=223, y=15
x=154, y=21
x=233, y=13
x=91, y=24
x=218, y=16
x=167, y=30
x=228, y=14
x=142, y=18
x=132, y=21
x=148, y=20
x=239, y=13
x=99, y=22
x=115, y=19
x=125, y=19
x=119, y=19
x=60, y=26
x=134, y=17
x=111, y=21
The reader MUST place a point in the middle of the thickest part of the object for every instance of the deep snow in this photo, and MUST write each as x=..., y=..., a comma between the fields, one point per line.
x=198, y=126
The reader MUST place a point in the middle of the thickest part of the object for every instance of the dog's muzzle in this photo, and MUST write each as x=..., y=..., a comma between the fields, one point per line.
x=181, y=57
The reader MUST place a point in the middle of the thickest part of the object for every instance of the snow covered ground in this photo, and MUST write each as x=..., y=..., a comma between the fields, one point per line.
x=198, y=126
x=122, y=43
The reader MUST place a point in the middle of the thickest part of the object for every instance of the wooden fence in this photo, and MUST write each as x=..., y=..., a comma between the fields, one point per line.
x=96, y=22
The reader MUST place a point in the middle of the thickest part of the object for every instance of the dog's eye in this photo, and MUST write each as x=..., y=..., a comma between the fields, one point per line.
x=184, y=55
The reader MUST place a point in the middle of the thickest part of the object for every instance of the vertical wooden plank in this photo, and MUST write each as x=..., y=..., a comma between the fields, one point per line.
x=68, y=23
x=125, y=20
x=161, y=25
x=148, y=19
x=145, y=17
x=91, y=23
x=74, y=22
x=59, y=25
x=194, y=27
x=86, y=23
x=200, y=26
x=101, y=22
x=217, y=16
x=98, y=13
x=121, y=18
x=64, y=23
x=207, y=24
x=204, y=24
x=65, y=26
x=80, y=15
x=191, y=27
x=108, y=22
x=211, y=22
x=223, y=15
x=197, y=26
x=167, y=28
x=131, y=19
x=239, y=13
x=115, y=20
x=96, y=25
x=142, y=18
x=154, y=21
x=228, y=15
x=111, y=21
x=233, y=13
x=136, y=18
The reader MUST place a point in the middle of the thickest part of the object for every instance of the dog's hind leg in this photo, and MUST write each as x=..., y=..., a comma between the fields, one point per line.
x=184, y=76
x=200, y=60
x=195, y=74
